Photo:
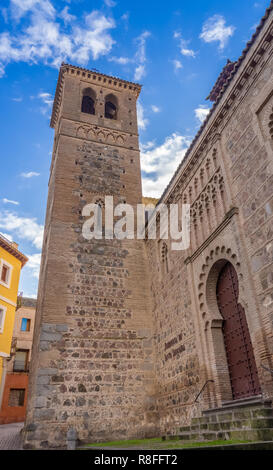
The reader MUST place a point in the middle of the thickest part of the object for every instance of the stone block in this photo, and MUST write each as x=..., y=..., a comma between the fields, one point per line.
x=43, y=379
x=40, y=402
x=47, y=371
x=44, y=414
x=50, y=337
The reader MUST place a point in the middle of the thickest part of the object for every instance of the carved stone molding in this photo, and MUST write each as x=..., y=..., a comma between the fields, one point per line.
x=214, y=234
x=101, y=134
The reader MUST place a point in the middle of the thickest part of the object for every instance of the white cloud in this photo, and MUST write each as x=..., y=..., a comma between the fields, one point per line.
x=48, y=37
x=110, y=3
x=120, y=60
x=9, y=201
x=183, y=46
x=141, y=53
x=158, y=164
x=93, y=39
x=20, y=7
x=140, y=72
x=18, y=100
x=142, y=121
x=177, y=64
x=155, y=108
x=215, y=29
x=201, y=113
x=30, y=174
x=66, y=16
x=187, y=52
x=33, y=264
x=22, y=227
x=7, y=236
x=125, y=16
x=46, y=98
x=139, y=59
x=140, y=56
x=149, y=145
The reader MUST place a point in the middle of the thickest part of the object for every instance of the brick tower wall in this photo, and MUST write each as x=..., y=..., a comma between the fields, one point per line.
x=93, y=361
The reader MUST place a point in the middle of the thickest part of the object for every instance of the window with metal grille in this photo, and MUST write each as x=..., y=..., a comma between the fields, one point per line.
x=17, y=396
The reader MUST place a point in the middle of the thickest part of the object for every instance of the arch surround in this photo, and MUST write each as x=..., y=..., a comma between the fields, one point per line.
x=211, y=320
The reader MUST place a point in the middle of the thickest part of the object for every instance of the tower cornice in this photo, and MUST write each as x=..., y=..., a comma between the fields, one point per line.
x=92, y=77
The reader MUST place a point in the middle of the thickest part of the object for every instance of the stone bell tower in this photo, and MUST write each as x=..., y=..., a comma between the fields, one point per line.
x=93, y=361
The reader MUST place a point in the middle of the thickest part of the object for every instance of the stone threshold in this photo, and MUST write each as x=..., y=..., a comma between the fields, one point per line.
x=242, y=402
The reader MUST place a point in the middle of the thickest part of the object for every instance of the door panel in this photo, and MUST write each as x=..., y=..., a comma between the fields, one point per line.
x=240, y=356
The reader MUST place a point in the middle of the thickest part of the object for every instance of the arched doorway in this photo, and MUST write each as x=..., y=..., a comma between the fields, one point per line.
x=239, y=351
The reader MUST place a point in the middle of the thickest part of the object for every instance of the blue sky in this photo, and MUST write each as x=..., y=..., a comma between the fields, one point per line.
x=175, y=49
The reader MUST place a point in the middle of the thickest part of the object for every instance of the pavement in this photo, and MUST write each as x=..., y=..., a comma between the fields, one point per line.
x=10, y=437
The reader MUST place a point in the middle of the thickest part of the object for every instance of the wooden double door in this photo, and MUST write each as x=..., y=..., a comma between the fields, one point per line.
x=240, y=357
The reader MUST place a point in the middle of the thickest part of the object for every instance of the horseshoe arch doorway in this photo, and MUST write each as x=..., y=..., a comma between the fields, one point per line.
x=239, y=351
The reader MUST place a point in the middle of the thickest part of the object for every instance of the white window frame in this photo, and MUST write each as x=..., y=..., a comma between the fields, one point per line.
x=2, y=323
x=10, y=268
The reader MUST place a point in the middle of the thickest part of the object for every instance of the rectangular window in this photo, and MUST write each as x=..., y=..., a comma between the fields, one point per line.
x=25, y=325
x=17, y=396
x=5, y=273
x=21, y=360
x=2, y=318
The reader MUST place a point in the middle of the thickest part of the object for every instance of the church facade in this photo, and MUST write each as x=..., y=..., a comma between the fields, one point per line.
x=133, y=339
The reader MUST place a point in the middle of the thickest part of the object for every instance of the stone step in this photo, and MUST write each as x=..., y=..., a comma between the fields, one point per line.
x=239, y=404
x=261, y=422
x=223, y=415
x=259, y=434
x=253, y=422
x=262, y=434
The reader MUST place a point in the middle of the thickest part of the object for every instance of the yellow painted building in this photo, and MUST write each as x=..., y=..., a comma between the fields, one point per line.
x=11, y=263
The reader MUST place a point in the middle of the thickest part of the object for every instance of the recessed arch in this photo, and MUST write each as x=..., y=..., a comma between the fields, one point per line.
x=111, y=107
x=88, y=101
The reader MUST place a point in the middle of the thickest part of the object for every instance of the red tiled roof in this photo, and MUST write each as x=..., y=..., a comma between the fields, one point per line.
x=223, y=78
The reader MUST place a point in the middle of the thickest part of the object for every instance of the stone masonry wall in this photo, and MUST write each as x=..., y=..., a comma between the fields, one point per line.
x=177, y=363
x=228, y=181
